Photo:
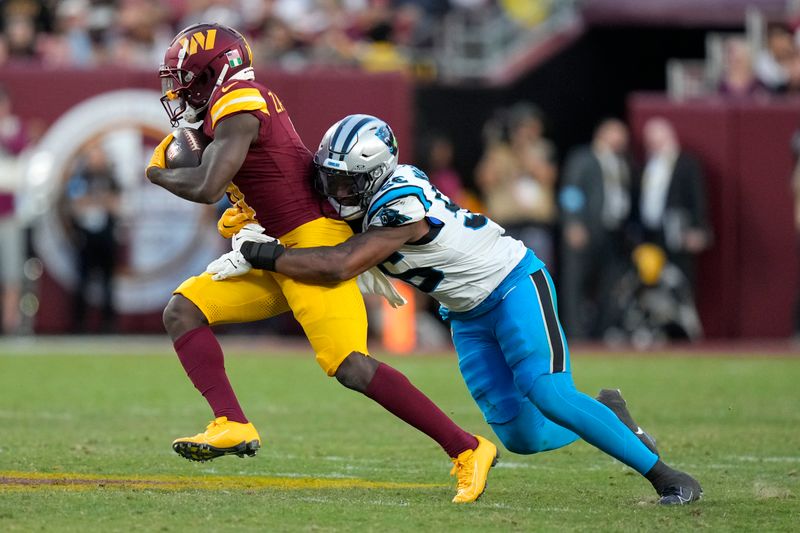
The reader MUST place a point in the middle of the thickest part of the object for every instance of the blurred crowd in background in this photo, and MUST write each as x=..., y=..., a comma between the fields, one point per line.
x=376, y=35
x=762, y=60
x=775, y=68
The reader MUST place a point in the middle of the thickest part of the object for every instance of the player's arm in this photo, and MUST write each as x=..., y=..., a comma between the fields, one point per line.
x=221, y=161
x=330, y=264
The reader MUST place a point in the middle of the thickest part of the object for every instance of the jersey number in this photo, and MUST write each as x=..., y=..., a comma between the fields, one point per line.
x=474, y=221
x=276, y=102
x=425, y=279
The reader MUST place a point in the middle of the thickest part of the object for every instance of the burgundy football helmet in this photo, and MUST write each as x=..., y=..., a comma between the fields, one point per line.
x=199, y=59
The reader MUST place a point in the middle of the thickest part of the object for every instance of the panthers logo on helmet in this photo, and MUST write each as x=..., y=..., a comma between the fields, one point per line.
x=385, y=134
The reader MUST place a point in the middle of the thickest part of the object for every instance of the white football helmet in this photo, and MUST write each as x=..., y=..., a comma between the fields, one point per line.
x=353, y=160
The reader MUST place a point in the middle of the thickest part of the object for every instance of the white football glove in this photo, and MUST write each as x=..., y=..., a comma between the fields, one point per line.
x=230, y=265
x=373, y=281
x=250, y=233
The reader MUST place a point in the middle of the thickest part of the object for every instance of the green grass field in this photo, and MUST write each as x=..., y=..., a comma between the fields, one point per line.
x=85, y=445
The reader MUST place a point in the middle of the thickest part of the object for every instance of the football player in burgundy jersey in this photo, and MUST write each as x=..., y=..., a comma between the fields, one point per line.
x=259, y=161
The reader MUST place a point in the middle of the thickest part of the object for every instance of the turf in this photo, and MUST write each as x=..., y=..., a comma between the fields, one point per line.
x=332, y=461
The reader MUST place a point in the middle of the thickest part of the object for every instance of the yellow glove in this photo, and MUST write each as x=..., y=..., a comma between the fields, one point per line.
x=233, y=220
x=159, y=159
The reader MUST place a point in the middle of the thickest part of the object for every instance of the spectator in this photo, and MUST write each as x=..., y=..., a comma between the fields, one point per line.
x=378, y=51
x=3, y=51
x=93, y=197
x=441, y=171
x=225, y=12
x=10, y=264
x=775, y=62
x=738, y=78
x=595, y=203
x=13, y=134
x=139, y=35
x=20, y=33
x=13, y=139
x=672, y=200
x=796, y=191
x=527, y=13
x=517, y=178
x=278, y=45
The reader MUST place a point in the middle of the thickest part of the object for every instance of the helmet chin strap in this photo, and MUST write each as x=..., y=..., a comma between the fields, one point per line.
x=347, y=212
x=192, y=115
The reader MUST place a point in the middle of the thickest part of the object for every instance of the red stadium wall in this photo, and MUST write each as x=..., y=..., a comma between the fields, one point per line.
x=748, y=282
x=314, y=99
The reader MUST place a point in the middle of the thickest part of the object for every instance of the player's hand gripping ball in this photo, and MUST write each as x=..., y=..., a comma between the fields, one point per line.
x=186, y=148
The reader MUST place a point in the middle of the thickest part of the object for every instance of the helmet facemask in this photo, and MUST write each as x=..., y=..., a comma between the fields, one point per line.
x=349, y=192
x=186, y=95
x=173, y=90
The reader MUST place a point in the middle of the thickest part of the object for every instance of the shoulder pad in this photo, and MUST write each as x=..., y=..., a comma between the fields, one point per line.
x=235, y=97
x=400, y=203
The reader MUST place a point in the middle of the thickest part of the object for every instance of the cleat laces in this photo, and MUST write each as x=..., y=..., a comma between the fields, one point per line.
x=463, y=470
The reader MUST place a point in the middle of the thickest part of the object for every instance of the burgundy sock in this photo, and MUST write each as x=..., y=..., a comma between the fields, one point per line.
x=397, y=395
x=202, y=359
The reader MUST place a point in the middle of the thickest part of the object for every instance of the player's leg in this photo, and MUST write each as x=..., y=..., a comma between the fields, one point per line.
x=335, y=321
x=196, y=305
x=394, y=392
x=519, y=425
x=535, y=348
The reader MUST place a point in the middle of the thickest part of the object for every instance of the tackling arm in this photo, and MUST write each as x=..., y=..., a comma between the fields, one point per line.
x=221, y=160
x=331, y=264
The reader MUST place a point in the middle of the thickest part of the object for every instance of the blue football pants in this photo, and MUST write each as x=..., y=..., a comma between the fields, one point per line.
x=515, y=362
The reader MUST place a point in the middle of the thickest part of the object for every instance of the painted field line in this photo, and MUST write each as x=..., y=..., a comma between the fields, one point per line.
x=14, y=480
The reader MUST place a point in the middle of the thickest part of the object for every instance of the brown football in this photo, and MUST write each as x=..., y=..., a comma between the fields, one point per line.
x=186, y=149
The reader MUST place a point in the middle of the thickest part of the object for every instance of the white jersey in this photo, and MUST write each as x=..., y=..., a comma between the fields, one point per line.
x=463, y=257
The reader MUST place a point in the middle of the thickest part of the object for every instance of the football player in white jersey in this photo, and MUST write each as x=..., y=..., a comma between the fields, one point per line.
x=497, y=295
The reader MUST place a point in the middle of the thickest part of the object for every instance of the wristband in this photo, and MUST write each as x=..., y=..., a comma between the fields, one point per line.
x=262, y=255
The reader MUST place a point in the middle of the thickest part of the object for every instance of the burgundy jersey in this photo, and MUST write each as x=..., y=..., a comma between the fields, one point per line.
x=274, y=183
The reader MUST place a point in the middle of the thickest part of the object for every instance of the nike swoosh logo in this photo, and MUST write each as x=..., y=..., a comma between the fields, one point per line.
x=226, y=89
x=639, y=431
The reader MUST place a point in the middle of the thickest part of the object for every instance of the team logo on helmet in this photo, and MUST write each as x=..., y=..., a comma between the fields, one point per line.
x=198, y=41
x=385, y=134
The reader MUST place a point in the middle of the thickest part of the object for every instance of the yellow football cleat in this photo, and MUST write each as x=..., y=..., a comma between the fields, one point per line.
x=472, y=468
x=221, y=437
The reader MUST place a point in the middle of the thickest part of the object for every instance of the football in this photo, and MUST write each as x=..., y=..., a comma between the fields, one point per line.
x=186, y=149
